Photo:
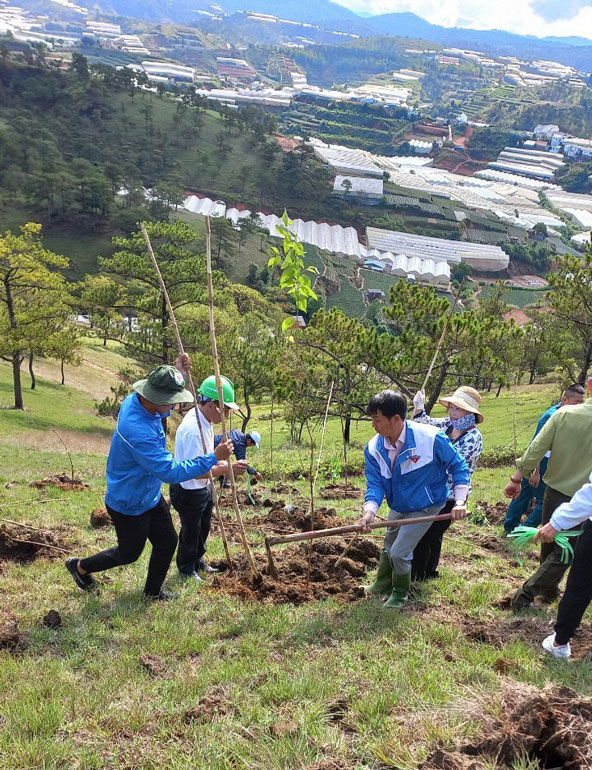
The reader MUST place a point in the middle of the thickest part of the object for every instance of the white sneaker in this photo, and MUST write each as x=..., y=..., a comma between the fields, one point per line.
x=558, y=651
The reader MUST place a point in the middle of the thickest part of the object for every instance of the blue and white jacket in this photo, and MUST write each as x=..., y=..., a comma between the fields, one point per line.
x=419, y=476
x=139, y=461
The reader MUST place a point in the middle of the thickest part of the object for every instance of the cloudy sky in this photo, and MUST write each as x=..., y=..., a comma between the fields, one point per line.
x=533, y=17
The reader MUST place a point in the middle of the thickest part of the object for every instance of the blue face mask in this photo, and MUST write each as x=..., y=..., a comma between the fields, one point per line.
x=465, y=422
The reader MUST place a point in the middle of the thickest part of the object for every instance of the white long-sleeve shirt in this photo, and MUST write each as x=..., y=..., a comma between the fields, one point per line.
x=579, y=508
x=188, y=443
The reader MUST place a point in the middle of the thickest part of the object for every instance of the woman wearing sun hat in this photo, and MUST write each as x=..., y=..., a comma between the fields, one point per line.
x=461, y=428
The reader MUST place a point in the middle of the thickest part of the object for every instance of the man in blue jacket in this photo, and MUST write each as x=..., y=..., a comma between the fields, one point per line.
x=240, y=442
x=137, y=465
x=409, y=464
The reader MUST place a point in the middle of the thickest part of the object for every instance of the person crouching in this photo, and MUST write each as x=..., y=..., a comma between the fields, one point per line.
x=409, y=464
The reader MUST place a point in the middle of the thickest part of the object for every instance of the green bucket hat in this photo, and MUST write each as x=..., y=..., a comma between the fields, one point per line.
x=164, y=385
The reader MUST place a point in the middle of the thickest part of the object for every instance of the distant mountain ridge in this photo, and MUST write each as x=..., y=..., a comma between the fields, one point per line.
x=574, y=51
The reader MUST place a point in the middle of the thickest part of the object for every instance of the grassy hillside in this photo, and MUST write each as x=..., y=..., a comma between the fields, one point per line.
x=216, y=681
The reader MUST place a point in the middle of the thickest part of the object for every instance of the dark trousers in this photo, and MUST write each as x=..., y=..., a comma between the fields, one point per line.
x=194, y=507
x=426, y=554
x=578, y=590
x=155, y=525
x=545, y=581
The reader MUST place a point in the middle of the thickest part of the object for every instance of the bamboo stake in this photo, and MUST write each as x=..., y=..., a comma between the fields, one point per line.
x=443, y=335
x=515, y=435
x=181, y=350
x=41, y=545
x=313, y=480
x=350, y=529
x=346, y=549
x=214, y=343
x=20, y=524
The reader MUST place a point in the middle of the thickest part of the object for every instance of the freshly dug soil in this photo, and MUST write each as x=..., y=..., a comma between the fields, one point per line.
x=294, y=585
x=25, y=545
x=340, y=491
x=62, y=481
x=100, y=518
x=154, y=664
x=551, y=727
x=495, y=513
x=11, y=637
x=299, y=520
x=210, y=706
x=52, y=619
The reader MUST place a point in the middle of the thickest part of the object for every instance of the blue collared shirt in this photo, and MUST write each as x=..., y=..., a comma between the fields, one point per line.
x=139, y=461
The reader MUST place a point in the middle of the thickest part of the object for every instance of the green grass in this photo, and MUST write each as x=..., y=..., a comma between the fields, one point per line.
x=79, y=696
x=518, y=297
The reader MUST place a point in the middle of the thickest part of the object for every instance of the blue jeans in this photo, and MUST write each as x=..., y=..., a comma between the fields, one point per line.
x=518, y=507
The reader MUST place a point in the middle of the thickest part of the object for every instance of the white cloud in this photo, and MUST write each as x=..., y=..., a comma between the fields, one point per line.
x=526, y=17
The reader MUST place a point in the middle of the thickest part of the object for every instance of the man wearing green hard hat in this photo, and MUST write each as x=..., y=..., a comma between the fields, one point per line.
x=194, y=499
x=137, y=465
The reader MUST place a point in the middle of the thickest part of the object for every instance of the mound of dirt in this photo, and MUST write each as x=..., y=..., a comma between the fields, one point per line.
x=11, y=637
x=527, y=628
x=154, y=664
x=299, y=520
x=551, y=727
x=210, y=706
x=100, y=518
x=24, y=545
x=295, y=584
x=52, y=619
x=62, y=481
x=495, y=513
x=340, y=492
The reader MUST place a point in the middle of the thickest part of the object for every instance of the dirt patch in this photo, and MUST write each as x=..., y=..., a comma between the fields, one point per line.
x=550, y=727
x=529, y=629
x=53, y=619
x=24, y=545
x=100, y=518
x=153, y=664
x=11, y=637
x=298, y=582
x=495, y=513
x=210, y=706
x=340, y=492
x=299, y=520
x=62, y=481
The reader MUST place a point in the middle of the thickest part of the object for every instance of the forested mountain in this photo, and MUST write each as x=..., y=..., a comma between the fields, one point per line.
x=578, y=54
x=312, y=11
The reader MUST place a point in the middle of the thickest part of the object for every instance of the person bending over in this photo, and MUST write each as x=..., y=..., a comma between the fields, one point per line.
x=409, y=464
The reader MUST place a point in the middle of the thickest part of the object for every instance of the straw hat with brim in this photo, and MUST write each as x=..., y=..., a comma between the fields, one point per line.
x=164, y=385
x=465, y=398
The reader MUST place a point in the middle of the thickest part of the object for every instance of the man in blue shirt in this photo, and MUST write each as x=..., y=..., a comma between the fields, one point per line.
x=241, y=441
x=137, y=465
x=534, y=487
x=409, y=464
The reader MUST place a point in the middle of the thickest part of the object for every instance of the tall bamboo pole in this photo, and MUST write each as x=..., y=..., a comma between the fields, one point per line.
x=214, y=343
x=181, y=350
